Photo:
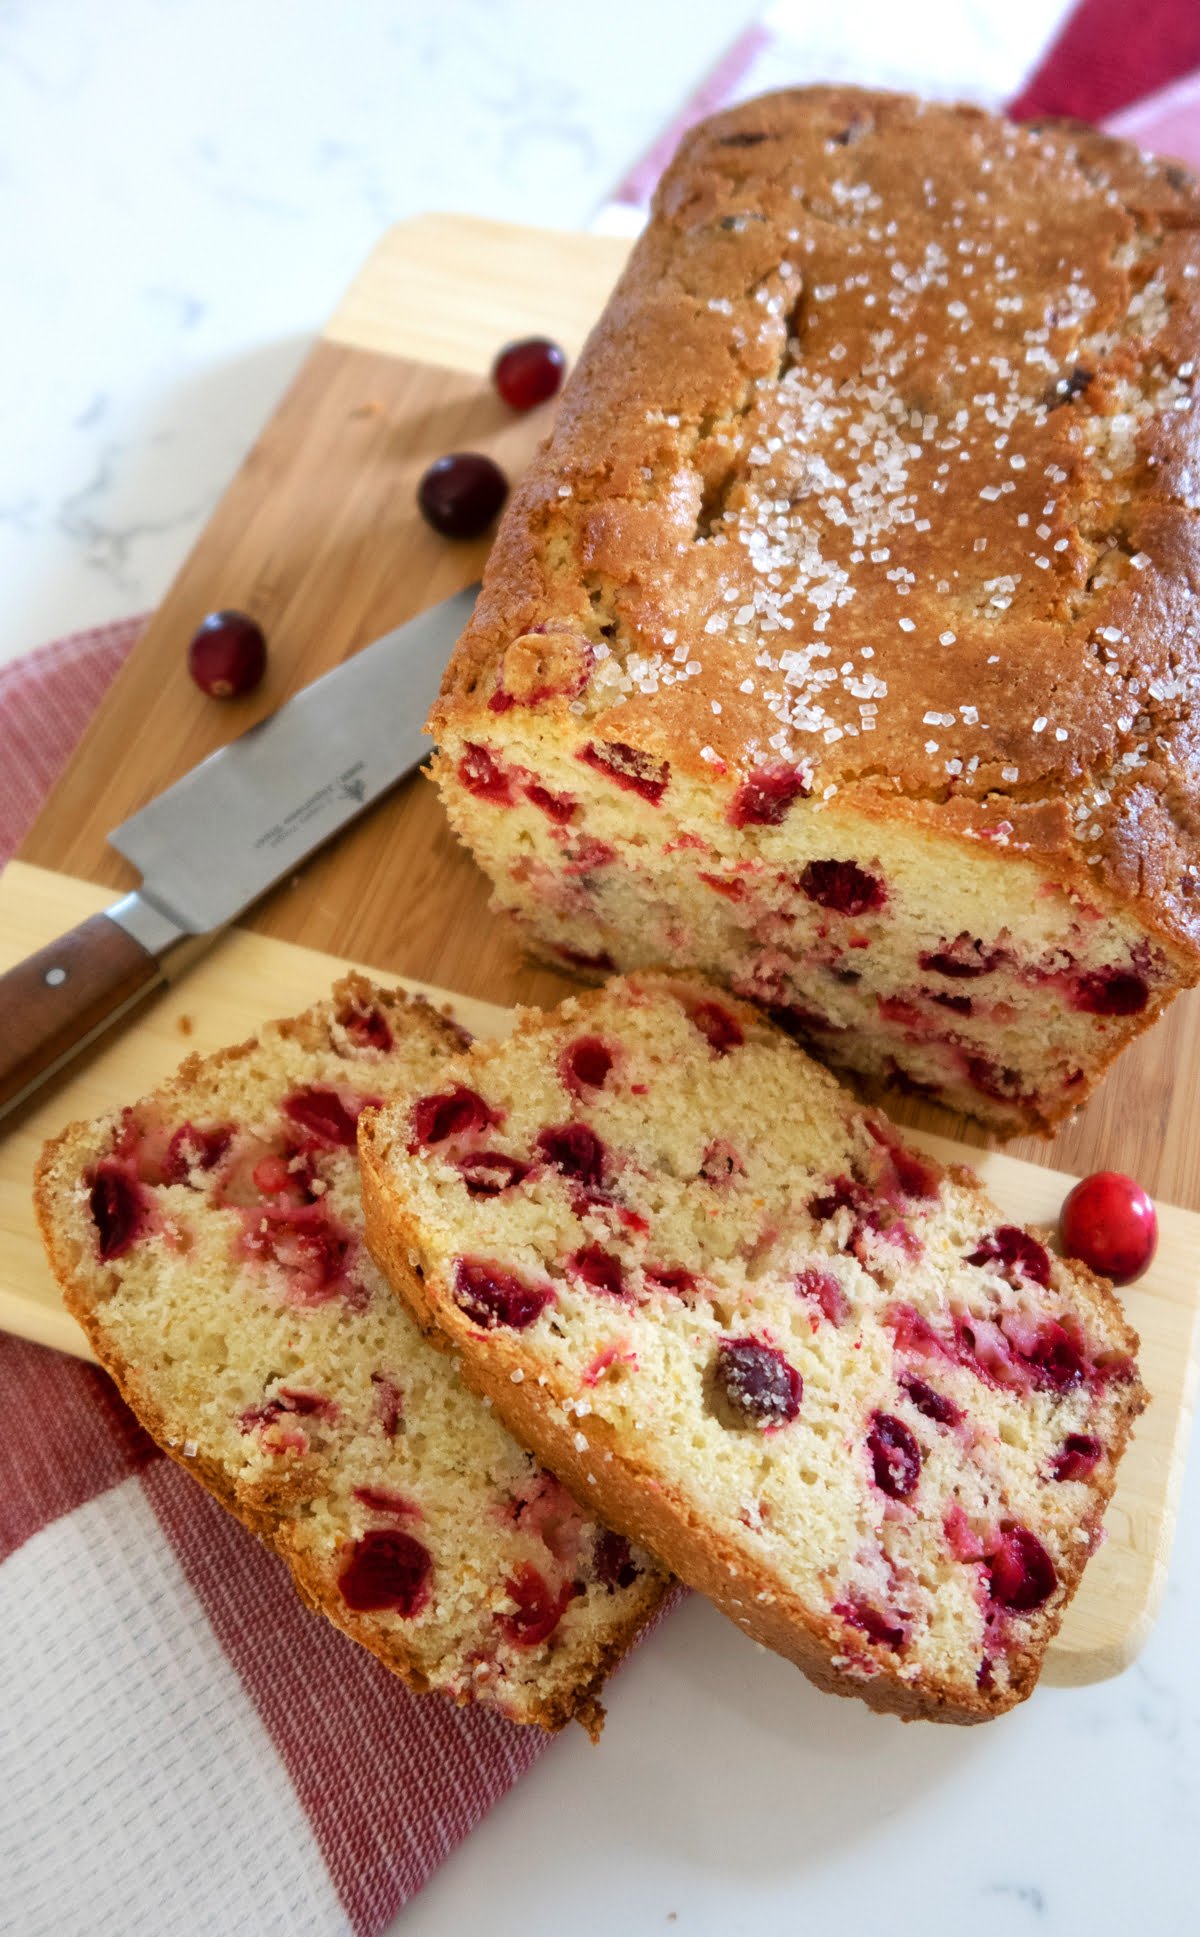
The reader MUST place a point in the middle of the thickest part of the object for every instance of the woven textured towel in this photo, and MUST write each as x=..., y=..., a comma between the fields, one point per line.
x=182, y=1747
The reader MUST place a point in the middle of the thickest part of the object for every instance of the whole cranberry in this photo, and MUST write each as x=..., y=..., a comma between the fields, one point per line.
x=843, y=887
x=228, y=655
x=585, y=1064
x=386, y=1571
x=538, y=1609
x=614, y=1562
x=119, y=1208
x=528, y=372
x=492, y=1296
x=1110, y=1223
x=895, y=1456
x=460, y=494
x=453, y=1113
x=756, y=1383
x=1021, y=1574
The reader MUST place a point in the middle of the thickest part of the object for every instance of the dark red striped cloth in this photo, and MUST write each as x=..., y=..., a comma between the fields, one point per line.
x=46, y=701
x=1112, y=52
x=65, y=1436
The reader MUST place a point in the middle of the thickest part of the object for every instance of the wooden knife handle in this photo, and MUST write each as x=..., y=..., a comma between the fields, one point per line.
x=55, y=1002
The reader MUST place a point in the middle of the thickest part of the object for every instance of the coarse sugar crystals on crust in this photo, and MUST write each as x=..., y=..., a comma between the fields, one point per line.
x=209, y=1241
x=825, y=1380
x=842, y=641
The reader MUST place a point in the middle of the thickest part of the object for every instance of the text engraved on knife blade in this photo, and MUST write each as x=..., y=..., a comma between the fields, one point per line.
x=348, y=785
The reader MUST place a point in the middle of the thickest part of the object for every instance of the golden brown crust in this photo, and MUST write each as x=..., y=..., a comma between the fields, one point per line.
x=1006, y=323
x=265, y=1511
x=630, y=1497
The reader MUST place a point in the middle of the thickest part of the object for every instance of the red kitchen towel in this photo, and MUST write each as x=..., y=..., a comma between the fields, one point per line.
x=182, y=1746
x=1112, y=52
x=46, y=701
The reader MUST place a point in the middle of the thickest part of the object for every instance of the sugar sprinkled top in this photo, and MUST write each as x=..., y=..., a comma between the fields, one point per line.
x=838, y=475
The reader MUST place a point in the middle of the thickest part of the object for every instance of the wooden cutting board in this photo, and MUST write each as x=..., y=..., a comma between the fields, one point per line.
x=319, y=538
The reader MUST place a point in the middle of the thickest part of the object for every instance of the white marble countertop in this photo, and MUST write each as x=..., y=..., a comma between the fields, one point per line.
x=185, y=188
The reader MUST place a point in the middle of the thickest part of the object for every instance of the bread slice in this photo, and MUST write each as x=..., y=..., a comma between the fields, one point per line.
x=818, y=1375
x=209, y=1241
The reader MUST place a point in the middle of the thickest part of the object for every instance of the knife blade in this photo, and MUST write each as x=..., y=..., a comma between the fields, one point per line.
x=214, y=842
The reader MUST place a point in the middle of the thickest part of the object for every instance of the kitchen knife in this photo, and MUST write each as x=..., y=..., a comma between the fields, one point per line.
x=219, y=838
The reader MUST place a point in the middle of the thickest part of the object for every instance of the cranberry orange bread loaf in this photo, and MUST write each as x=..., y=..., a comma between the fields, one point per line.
x=842, y=642
x=209, y=1242
x=820, y=1377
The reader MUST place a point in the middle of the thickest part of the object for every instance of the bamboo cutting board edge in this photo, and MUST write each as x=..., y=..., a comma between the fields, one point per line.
x=249, y=977
x=417, y=294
